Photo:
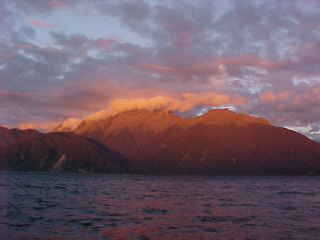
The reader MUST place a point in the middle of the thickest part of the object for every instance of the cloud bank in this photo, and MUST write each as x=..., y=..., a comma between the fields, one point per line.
x=71, y=59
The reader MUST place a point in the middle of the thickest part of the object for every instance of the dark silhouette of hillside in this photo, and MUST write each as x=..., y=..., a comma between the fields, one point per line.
x=32, y=150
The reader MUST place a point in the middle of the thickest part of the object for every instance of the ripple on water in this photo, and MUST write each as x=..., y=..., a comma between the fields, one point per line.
x=114, y=207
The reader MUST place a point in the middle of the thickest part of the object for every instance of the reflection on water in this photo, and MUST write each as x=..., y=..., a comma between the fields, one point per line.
x=42, y=206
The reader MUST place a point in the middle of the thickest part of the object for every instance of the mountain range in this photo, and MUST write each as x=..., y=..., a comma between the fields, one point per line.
x=218, y=142
x=34, y=151
x=160, y=142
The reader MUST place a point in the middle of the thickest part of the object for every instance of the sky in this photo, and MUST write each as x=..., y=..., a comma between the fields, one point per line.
x=76, y=59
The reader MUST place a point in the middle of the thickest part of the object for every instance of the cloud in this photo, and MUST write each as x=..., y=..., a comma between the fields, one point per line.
x=68, y=124
x=219, y=64
x=57, y=3
x=181, y=103
x=296, y=106
x=106, y=42
x=39, y=23
x=266, y=52
x=25, y=45
x=36, y=7
x=269, y=96
x=167, y=102
x=42, y=126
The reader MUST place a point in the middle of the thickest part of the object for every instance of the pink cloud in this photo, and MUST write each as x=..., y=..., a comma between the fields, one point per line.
x=181, y=34
x=4, y=56
x=270, y=96
x=160, y=68
x=57, y=3
x=39, y=23
x=215, y=65
x=106, y=42
x=25, y=46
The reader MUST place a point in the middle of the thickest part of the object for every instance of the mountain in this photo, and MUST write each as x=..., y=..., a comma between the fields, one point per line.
x=32, y=150
x=218, y=142
x=6, y=139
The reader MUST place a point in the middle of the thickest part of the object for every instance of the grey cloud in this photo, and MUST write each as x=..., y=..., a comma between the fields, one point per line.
x=182, y=35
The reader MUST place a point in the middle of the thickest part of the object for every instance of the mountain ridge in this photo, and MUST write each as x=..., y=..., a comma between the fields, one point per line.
x=161, y=142
x=220, y=141
x=30, y=150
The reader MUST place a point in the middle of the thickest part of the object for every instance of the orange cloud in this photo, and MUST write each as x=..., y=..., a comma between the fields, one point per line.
x=270, y=96
x=182, y=103
x=267, y=97
x=43, y=126
x=157, y=101
x=68, y=124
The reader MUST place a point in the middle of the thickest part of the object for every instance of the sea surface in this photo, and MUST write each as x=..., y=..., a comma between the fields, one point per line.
x=42, y=206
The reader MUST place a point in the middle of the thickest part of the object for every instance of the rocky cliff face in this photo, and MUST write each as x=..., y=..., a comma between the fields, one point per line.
x=218, y=142
x=31, y=150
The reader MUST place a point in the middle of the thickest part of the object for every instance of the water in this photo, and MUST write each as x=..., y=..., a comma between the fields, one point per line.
x=41, y=206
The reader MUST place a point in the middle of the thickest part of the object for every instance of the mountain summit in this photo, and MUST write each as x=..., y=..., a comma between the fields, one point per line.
x=218, y=142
